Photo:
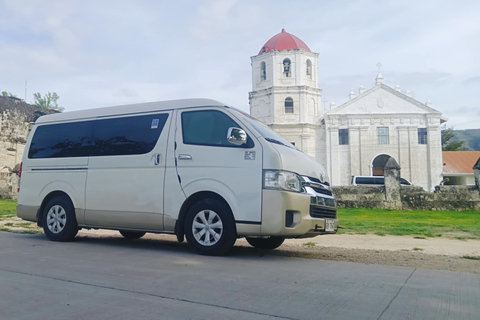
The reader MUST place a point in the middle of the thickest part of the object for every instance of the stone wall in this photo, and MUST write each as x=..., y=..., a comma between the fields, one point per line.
x=394, y=196
x=15, y=118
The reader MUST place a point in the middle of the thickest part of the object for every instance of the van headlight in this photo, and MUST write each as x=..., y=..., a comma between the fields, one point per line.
x=282, y=180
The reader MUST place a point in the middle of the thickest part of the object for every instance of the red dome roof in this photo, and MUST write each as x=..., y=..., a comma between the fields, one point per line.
x=283, y=41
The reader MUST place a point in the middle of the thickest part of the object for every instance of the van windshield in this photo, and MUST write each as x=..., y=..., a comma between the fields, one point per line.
x=264, y=131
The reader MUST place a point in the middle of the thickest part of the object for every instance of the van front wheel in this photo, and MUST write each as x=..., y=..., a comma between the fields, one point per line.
x=210, y=228
x=59, y=220
x=269, y=243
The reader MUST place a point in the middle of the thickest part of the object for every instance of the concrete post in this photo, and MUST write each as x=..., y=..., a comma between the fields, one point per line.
x=393, y=199
x=476, y=173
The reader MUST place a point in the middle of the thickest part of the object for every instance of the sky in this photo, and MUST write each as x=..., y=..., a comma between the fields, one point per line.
x=100, y=53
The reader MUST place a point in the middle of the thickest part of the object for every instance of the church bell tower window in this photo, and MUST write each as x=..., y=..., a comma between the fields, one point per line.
x=289, y=105
x=309, y=69
x=263, y=71
x=286, y=67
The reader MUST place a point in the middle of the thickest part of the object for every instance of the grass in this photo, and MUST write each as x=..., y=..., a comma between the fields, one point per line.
x=418, y=249
x=8, y=209
x=309, y=244
x=421, y=224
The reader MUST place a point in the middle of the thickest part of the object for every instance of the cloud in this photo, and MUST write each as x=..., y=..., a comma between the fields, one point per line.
x=213, y=16
x=472, y=80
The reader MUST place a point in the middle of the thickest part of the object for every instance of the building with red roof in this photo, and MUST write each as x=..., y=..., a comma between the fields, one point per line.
x=458, y=167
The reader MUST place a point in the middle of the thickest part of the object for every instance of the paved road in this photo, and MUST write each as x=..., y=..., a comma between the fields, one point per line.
x=153, y=279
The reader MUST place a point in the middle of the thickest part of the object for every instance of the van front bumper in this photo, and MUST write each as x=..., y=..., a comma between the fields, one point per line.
x=295, y=215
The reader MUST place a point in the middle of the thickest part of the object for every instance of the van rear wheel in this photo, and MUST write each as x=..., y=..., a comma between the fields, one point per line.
x=210, y=228
x=132, y=234
x=59, y=220
x=269, y=243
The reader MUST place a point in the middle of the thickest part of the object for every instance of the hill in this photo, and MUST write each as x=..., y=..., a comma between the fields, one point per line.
x=471, y=138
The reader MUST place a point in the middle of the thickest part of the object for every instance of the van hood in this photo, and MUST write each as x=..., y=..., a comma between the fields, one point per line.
x=296, y=161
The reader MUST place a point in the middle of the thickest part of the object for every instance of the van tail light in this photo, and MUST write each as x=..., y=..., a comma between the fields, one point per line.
x=19, y=176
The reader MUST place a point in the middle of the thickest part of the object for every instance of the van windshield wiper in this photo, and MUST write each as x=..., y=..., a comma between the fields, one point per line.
x=276, y=141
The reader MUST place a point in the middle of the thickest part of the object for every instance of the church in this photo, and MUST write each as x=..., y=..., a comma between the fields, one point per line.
x=356, y=138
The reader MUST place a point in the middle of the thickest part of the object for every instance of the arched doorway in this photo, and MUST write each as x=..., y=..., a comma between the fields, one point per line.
x=379, y=163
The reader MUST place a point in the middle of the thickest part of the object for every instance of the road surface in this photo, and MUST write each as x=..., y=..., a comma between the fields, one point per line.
x=150, y=279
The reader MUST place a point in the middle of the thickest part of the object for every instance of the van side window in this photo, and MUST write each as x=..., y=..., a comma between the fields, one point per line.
x=128, y=135
x=361, y=180
x=208, y=127
x=62, y=140
x=104, y=137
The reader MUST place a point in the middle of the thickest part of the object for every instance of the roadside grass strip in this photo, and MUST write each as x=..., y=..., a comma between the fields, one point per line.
x=420, y=224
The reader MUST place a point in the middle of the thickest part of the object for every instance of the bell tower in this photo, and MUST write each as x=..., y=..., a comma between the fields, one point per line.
x=285, y=92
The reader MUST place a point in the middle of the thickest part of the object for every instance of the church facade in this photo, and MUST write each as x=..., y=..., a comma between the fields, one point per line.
x=354, y=139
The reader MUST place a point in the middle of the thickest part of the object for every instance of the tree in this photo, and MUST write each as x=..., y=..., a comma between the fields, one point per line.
x=48, y=101
x=8, y=94
x=447, y=144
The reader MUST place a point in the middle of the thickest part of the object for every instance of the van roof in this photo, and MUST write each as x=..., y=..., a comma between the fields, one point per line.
x=129, y=109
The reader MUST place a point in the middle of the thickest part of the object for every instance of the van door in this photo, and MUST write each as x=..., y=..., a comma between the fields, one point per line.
x=126, y=172
x=206, y=161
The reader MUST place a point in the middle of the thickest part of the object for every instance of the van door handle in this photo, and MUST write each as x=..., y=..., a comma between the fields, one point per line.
x=184, y=157
x=158, y=157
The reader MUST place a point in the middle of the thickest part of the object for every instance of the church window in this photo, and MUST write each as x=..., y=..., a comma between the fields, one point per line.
x=422, y=135
x=309, y=69
x=382, y=135
x=289, y=105
x=342, y=136
x=286, y=67
x=263, y=71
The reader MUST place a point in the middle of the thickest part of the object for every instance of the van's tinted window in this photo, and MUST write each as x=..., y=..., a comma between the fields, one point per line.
x=118, y=136
x=365, y=180
x=405, y=182
x=128, y=135
x=62, y=140
x=208, y=127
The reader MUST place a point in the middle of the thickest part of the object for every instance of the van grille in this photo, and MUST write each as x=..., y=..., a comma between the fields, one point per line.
x=318, y=180
x=322, y=191
x=323, y=212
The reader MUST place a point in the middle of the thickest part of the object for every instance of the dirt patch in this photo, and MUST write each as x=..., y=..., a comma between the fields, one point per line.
x=428, y=253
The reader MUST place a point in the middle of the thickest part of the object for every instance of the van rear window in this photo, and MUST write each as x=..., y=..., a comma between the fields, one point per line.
x=103, y=137
x=62, y=140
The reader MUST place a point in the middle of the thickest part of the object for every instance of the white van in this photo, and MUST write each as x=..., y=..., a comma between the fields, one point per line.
x=375, y=181
x=193, y=167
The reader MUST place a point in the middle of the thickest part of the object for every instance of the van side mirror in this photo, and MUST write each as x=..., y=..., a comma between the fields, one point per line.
x=236, y=136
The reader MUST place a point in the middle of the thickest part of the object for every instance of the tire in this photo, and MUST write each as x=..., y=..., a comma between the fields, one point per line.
x=210, y=227
x=269, y=243
x=59, y=220
x=131, y=235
